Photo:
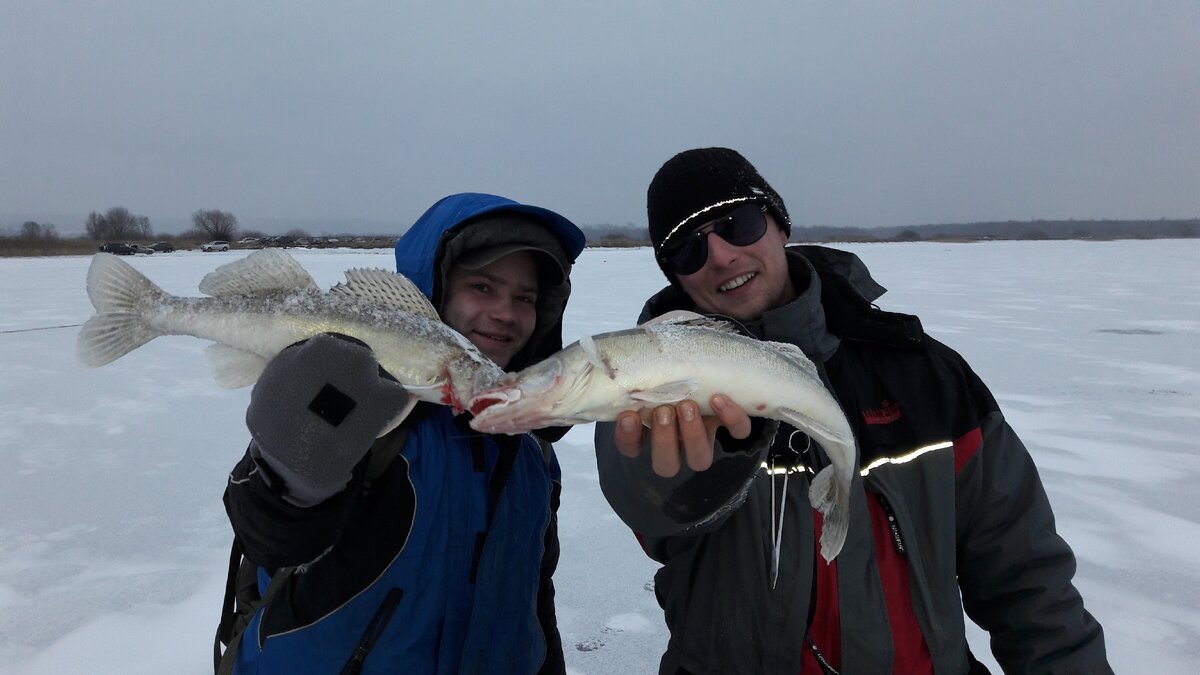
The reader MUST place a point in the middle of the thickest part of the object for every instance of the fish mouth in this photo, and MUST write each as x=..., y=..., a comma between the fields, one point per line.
x=736, y=282
x=499, y=420
x=500, y=396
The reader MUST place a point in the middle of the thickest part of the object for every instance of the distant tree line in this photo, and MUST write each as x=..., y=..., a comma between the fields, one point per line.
x=631, y=235
x=1023, y=230
x=119, y=224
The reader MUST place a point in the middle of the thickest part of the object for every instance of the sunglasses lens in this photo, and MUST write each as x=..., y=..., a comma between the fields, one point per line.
x=741, y=227
x=746, y=225
x=689, y=256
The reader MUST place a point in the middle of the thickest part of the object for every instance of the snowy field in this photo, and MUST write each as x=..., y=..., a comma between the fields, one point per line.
x=113, y=541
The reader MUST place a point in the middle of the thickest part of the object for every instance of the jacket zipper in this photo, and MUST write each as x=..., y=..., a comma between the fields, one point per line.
x=897, y=540
x=374, y=630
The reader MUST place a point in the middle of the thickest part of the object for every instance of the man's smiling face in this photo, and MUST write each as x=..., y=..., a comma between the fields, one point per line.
x=494, y=306
x=742, y=281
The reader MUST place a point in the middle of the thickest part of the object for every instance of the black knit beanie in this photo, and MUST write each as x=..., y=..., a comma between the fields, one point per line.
x=699, y=185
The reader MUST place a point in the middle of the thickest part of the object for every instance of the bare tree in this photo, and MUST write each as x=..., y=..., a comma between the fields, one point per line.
x=117, y=223
x=34, y=230
x=215, y=224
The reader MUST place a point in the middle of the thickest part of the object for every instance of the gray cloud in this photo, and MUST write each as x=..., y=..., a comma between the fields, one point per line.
x=872, y=114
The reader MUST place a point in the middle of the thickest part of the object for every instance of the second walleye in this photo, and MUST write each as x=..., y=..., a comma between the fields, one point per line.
x=680, y=357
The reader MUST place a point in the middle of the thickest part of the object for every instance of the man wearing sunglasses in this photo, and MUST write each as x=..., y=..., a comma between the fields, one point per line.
x=948, y=514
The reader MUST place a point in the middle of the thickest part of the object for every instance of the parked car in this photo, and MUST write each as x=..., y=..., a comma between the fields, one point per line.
x=139, y=248
x=163, y=246
x=116, y=247
x=215, y=246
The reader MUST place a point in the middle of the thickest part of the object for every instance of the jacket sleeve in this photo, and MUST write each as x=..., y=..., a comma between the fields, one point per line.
x=275, y=532
x=690, y=502
x=1015, y=571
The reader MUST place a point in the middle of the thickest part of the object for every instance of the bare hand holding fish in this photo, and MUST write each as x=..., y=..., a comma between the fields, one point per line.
x=677, y=359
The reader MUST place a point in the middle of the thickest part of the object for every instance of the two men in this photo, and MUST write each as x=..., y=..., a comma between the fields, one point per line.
x=438, y=558
x=947, y=513
x=443, y=562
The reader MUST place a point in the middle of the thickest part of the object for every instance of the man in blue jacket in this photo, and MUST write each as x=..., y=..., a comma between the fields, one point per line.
x=442, y=561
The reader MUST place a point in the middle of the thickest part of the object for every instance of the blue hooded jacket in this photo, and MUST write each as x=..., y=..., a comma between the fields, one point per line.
x=467, y=517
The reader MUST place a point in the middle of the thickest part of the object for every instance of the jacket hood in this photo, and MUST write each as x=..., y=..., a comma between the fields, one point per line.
x=427, y=251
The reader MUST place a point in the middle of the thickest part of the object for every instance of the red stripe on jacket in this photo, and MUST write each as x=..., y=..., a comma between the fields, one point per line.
x=910, y=653
x=965, y=447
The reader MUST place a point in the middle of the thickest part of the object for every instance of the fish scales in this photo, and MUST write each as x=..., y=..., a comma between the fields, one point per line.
x=265, y=302
x=683, y=358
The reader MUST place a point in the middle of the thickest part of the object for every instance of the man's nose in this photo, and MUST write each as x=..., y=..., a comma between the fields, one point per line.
x=502, y=309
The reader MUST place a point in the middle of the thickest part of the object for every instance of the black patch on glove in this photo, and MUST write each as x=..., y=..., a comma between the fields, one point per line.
x=331, y=405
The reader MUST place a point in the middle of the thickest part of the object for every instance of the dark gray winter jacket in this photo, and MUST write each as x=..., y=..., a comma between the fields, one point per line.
x=947, y=502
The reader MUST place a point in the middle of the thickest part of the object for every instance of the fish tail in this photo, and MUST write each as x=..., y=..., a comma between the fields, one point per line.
x=115, y=289
x=832, y=498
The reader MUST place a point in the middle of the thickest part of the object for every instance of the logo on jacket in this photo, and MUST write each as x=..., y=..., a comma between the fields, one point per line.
x=887, y=413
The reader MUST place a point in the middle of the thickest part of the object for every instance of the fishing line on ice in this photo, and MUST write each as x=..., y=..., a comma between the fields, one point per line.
x=30, y=330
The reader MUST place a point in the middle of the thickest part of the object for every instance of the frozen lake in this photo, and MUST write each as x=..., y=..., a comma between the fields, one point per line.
x=113, y=540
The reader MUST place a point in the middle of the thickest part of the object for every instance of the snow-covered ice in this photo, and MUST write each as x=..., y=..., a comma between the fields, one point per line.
x=113, y=540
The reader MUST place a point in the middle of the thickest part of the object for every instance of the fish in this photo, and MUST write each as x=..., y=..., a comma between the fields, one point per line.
x=676, y=357
x=262, y=303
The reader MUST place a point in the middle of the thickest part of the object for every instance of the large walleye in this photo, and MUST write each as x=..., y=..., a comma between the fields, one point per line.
x=684, y=356
x=266, y=301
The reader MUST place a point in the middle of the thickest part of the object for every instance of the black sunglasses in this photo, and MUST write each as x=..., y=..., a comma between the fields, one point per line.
x=741, y=227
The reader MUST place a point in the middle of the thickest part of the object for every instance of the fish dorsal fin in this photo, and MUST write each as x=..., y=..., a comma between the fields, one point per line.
x=389, y=289
x=683, y=317
x=262, y=271
x=794, y=353
x=667, y=392
x=595, y=358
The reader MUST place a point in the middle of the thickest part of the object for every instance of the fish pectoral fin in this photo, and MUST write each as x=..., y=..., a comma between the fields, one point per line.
x=595, y=357
x=269, y=269
x=395, y=421
x=234, y=368
x=667, y=392
x=432, y=393
x=386, y=289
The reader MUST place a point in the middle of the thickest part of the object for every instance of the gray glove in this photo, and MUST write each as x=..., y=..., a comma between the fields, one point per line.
x=315, y=412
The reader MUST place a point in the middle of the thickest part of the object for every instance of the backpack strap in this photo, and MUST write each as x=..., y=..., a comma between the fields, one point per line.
x=241, y=584
x=225, y=662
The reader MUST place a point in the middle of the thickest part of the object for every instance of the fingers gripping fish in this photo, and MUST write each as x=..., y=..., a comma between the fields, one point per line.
x=685, y=356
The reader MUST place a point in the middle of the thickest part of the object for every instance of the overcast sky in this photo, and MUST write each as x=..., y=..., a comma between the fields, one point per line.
x=859, y=113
